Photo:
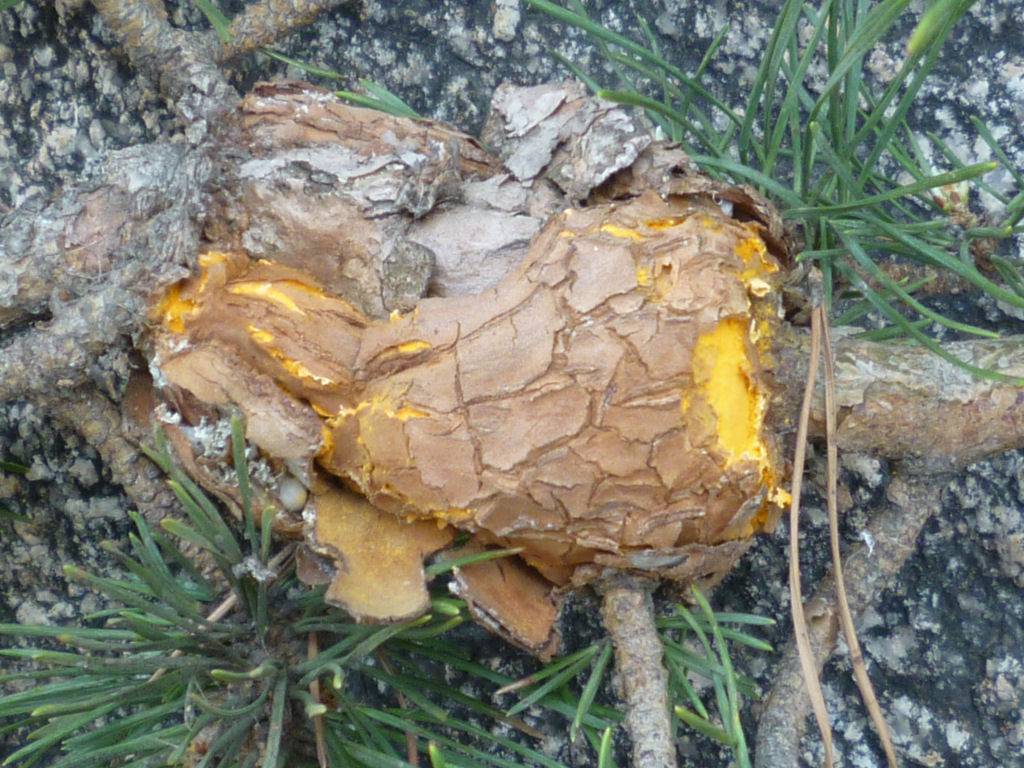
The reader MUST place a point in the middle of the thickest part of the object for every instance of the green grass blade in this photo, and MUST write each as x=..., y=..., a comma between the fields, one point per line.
x=275, y=729
x=604, y=753
x=897, y=319
x=216, y=17
x=443, y=566
x=939, y=180
x=704, y=726
x=590, y=689
x=869, y=32
x=760, y=99
x=554, y=682
x=597, y=31
x=894, y=288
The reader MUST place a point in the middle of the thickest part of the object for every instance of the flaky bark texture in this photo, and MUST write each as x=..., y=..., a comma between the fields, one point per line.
x=600, y=408
x=182, y=64
x=627, y=612
x=92, y=260
x=100, y=422
x=333, y=190
x=603, y=407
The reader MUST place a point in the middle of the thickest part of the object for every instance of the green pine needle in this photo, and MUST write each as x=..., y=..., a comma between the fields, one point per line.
x=820, y=154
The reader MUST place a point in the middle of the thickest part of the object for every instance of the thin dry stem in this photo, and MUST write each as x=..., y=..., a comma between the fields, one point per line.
x=894, y=529
x=860, y=673
x=411, y=750
x=312, y=651
x=803, y=642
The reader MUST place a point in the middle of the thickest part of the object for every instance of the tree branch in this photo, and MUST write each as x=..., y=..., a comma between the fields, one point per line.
x=182, y=64
x=628, y=614
x=265, y=22
x=905, y=402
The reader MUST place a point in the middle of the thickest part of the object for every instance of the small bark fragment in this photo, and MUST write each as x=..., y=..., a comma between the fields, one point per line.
x=557, y=132
x=330, y=189
x=510, y=599
x=380, y=573
x=628, y=614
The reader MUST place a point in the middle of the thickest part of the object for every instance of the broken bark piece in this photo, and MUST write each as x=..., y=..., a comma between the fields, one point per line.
x=331, y=189
x=380, y=573
x=511, y=599
x=556, y=131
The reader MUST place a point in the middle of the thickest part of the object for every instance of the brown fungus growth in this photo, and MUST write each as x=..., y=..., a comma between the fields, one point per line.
x=602, y=408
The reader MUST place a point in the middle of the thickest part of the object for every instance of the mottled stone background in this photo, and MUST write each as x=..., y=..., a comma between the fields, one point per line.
x=945, y=645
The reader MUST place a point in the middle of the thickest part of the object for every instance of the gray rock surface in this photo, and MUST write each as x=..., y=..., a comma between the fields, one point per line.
x=945, y=645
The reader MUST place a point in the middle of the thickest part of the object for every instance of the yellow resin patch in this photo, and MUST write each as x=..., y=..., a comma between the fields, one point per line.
x=412, y=347
x=662, y=224
x=259, y=335
x=294, y=367
x=722, y=371
x=407, y=412
x=326, y=442
x=174, y=309
x=272, y=292
x=623, y=232
x=379, y=404
x=443, y=517
x=297, y=369
x=753, y=252
x=660, y=280
x=210, y=258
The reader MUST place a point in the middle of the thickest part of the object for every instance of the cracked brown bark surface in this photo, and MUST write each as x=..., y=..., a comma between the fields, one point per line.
x=531, y=413
x=564, y=411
